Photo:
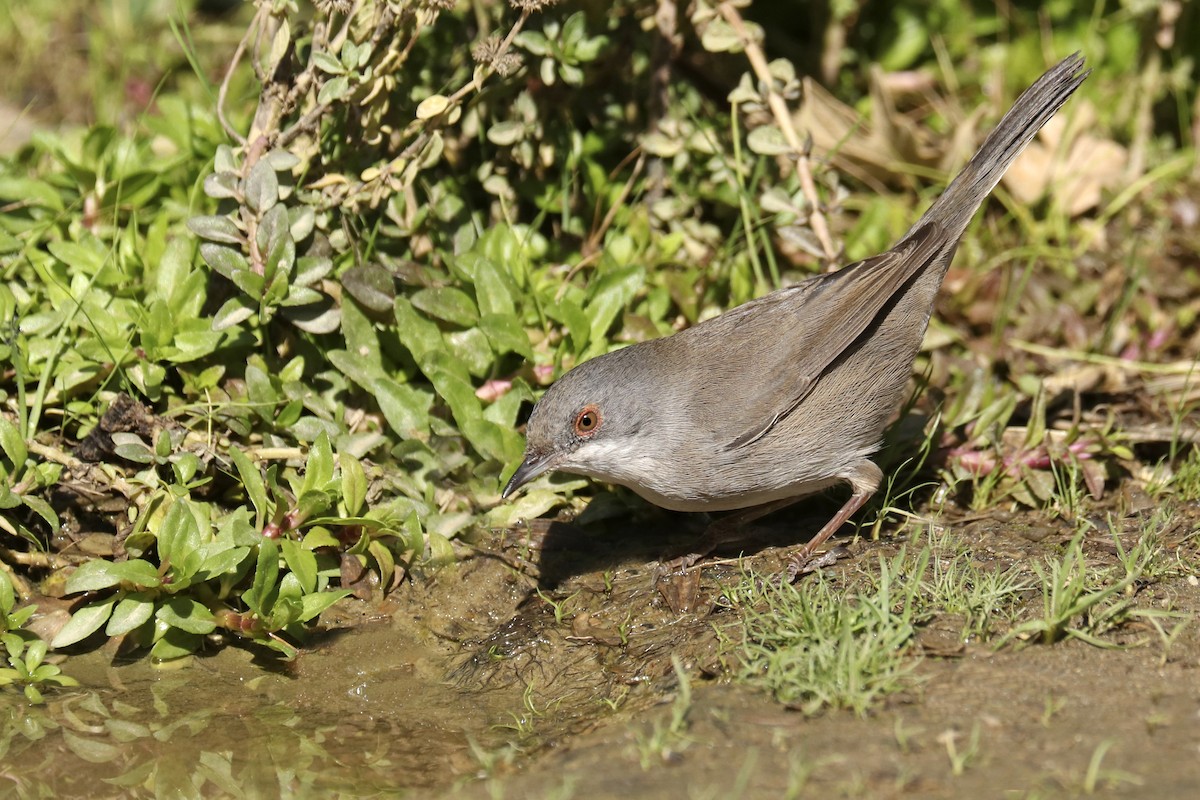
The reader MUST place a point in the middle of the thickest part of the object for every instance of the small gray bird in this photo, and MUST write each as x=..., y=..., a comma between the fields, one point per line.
x=785, y=395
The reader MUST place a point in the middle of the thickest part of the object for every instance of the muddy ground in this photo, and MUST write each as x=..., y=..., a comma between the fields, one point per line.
x=548, y=673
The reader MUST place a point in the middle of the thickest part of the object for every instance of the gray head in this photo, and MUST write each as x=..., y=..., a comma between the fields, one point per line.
x=593, y=421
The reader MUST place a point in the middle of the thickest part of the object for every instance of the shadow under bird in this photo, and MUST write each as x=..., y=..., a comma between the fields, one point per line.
x=785, y=395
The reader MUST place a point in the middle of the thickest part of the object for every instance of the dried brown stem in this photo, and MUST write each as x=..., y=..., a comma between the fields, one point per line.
x=783, y=118
x=38, y=559
x=223, y=89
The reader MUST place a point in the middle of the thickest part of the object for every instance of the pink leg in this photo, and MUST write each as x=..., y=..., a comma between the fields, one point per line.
x=865, y=482
x=798, y=559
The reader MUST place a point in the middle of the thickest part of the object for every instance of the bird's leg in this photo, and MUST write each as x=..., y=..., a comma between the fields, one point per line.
x=865, y=482
x=723, y=531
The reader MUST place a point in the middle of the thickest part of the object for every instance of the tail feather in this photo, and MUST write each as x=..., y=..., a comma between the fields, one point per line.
x=1033, y=109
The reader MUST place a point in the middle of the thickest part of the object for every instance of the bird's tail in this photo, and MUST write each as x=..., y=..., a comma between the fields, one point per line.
x=1033, y=109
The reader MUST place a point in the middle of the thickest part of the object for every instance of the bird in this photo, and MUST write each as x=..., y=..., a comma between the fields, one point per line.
x=785, y=395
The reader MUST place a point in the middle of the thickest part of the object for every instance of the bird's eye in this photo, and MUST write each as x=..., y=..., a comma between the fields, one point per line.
x=587, y=421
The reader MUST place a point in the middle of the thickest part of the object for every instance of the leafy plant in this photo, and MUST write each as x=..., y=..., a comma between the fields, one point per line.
x=814, y=649
x=196, y=571
x=27, y=666
x=1082, y=602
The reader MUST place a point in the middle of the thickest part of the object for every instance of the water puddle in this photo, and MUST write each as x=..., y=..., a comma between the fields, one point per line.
x=364, y=714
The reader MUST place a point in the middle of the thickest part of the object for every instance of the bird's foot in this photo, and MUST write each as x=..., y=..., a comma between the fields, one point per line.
x=802, y=562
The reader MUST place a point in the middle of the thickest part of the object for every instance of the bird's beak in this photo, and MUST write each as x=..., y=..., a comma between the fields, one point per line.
x=530, y=468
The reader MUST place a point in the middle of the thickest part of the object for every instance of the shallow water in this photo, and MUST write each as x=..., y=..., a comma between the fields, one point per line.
x=557, y=677
x=365, y=712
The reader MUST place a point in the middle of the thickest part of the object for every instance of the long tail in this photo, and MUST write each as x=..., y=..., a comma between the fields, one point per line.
x=1033, y=109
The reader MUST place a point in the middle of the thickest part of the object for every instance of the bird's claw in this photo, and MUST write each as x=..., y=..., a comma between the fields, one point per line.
x=803, y=563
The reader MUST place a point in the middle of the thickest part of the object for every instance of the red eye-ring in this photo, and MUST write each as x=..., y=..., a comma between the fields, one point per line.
x=587, y=421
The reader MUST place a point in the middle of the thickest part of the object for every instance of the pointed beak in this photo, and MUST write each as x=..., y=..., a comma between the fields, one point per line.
x=530, y=468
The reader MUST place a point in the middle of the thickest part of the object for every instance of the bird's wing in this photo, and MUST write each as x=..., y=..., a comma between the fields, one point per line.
x=812, y=324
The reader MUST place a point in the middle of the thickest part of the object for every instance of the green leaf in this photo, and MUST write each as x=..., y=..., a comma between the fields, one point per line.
x=217, y=229
x=42, y=509
x=236, y=310
x=83, y=623
x=416, y=333
x=333, y=90
x=301, y=221
x=179, y=538
x=188, y=615
x=223, y=560
x=432, y=106
x=302, y=563
x=248, y=281
x=506, y=335
x=909, y=38
x=286, y=609
x=162, y=444
x=8, y=595
x=354, y=483
x=131, y=447
x=318, y=318
x=314, y=604
x=472, y=349
x=494, y=441
x=505, y=409
x=530, y=504
x=275, y=242
x=328, y=62
x=132, y=611
x=262, y=187
x=371, y=285
x=262, y=592
x=175, y=643
x=448, y=303
x=222, y=185
x=18, y=618
x=252, y=483
x=320, y=537
x=12, y=443
x=318, y=469
x=280, y=44
x=313, y=502
x=87, y=256
x=31, y=192
x=768, y=140
x=492, y=289
x=310, y=269
x=413, y=535
x=226, y=261
x=406, y=409
x=609, y=297
x=534, y=41
x=174, y=268
x=301, y=296
x=288, y=606
x=506, y=133
x=262, y=392
x=7, y=498
x=101, y=574
x=440, y=549
x=34, y=655
x=720, y=37
x=387, y=564
x=290, y=414
x=453, y=385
